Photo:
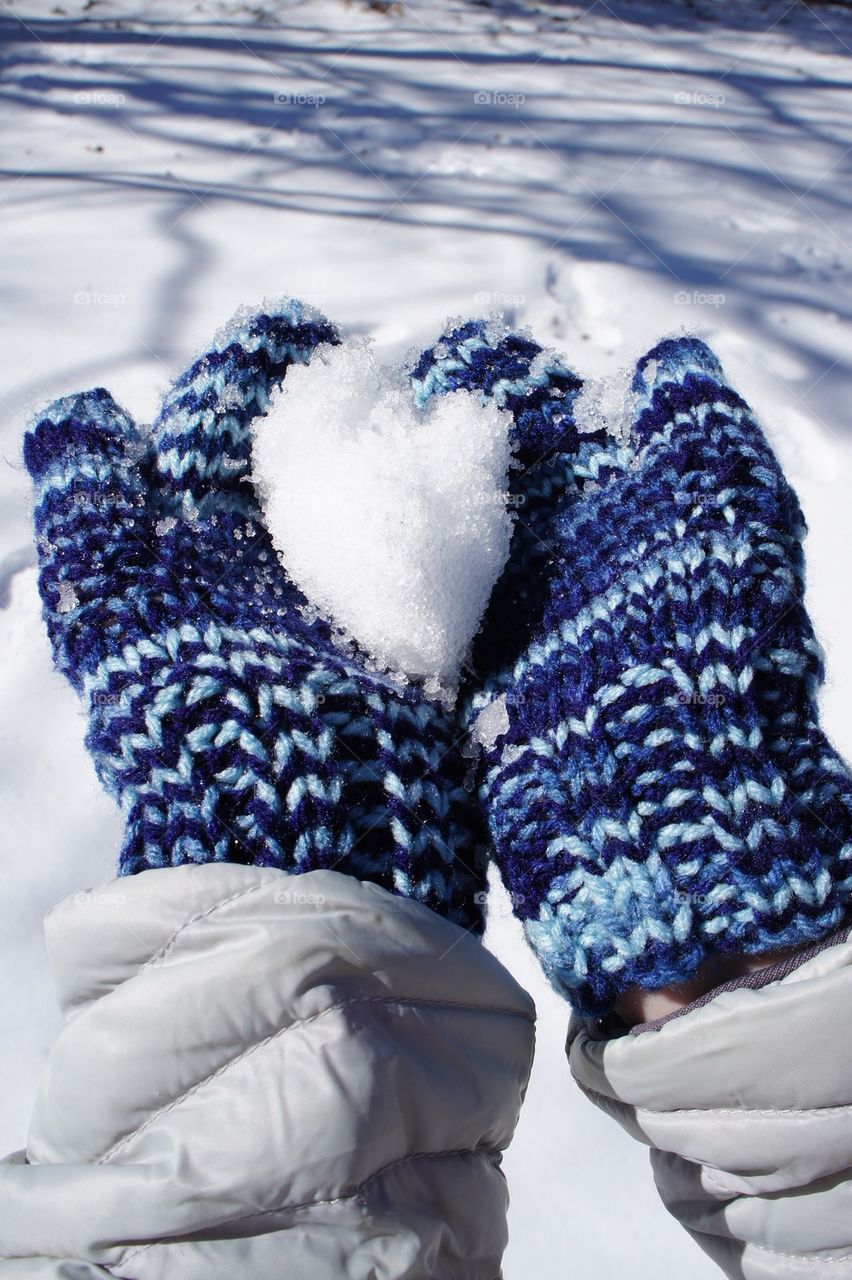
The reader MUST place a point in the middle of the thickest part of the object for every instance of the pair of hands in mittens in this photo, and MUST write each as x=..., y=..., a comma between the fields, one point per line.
x=637, y=831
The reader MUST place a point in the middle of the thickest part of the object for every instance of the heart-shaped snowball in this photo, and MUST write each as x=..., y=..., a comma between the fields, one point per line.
x=391, y=519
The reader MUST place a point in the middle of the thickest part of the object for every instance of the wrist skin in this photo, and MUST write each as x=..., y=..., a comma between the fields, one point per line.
x=636, y=1005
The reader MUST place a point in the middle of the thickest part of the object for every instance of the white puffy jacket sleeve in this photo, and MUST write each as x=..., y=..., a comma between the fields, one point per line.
x=263, y=1075
x=746, y=1102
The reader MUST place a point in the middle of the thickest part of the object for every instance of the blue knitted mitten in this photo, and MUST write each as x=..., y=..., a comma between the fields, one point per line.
x=224, y=720
x=663, y=790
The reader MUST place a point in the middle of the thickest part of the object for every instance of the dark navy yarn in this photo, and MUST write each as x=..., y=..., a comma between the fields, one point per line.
x=228, y=724
x=552, y=462
x=664, y=791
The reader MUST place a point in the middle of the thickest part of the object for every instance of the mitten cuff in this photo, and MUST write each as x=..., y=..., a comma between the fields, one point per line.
x=636, y=924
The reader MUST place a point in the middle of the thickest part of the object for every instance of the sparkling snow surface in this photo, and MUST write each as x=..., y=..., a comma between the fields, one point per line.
x=391, y=519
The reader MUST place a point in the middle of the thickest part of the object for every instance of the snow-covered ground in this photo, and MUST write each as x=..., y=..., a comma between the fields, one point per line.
x=604, y=174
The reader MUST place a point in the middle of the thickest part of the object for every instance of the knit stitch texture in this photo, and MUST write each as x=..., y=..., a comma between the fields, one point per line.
x=228, y=724
x=663, y=790
x=552, y=463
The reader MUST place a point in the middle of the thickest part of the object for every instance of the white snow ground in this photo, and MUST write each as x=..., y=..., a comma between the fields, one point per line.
x=605, y=174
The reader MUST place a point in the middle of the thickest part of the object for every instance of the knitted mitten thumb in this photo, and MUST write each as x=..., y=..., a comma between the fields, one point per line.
x=663, y=791
x=552, y=461
x=93, y=536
